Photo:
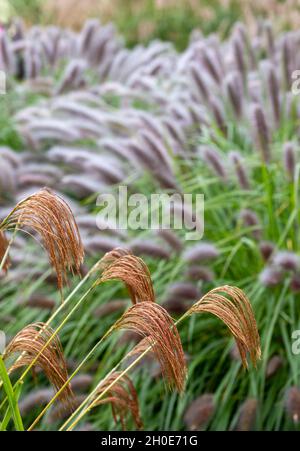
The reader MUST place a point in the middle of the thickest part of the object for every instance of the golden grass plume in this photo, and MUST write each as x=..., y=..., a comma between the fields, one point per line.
x=120, y=264
x=123, y=399
x=232, y=306
x=153, y=322
x=50, y=217
x=30, y=342
x=3, y=249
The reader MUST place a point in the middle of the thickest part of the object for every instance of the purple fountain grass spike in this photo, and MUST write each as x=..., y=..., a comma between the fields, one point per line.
x=177, y=306
x=271, y=276
x=201, y=252
x=92, y=224
x=119, y=60
x=218, y=114
x=240, y=169
x=130, y=152
x=81, y=382
x=156, y=147
x=180, y=112
x=250, y=219
x=28, y=179
x=34, y=399
x=73, y=156
x=267, y=248
x=107, y=169
x=295, y=283
x=287, y=61
x=72, y=77
x=80, y=185
x=175, y=131
x=33, y=64
x=98, y=43
x=196, y=273
x=12, y=157
x=199, y=115
x=273, y=89
x=255, y=88
x=38, y=301
x=210, y=64
x=292, y=404
x=270, y=39
x=110, y=308
x=18, y=29
x=234, y=91
x=199, y=412
x=86, y=35
x=8, y=179
x=215, y=45
x=87, y=129
x=289, y=159
x=46, y=129
x=238, y=51
x=287, y=260
x=142, y=157
x=149, y=248
x=170, y=237
x=183, y=290
x=40, y=168
x=7, y=58
x=58, y=413
x=213, y=158
x=47, y=48
x=262, y=132
x=94, y=245
x=241, y=35
x=152, y=123
x=247, y=415
x=200, y=82
x=274, y=365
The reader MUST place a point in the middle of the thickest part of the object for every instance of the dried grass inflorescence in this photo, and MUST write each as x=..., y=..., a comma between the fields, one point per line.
x=30, y=342
x=3, y=250
x=48, y=215
x=232, y=306
x=132, y=270
x=153, y=322
x=123, y=398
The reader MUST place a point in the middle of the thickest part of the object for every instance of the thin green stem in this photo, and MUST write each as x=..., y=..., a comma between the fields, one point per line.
x=12, y=399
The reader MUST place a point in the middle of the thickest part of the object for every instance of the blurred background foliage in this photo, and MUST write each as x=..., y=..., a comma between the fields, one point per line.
x=144, y=20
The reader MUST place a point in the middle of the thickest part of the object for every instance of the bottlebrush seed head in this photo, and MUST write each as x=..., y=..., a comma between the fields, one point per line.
x=292, y=404
x=240, y=169
x=271, y=276
x=262, y=132
x=266, y=249
x=286, y=260
x=289, y=159
x=199, y=412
